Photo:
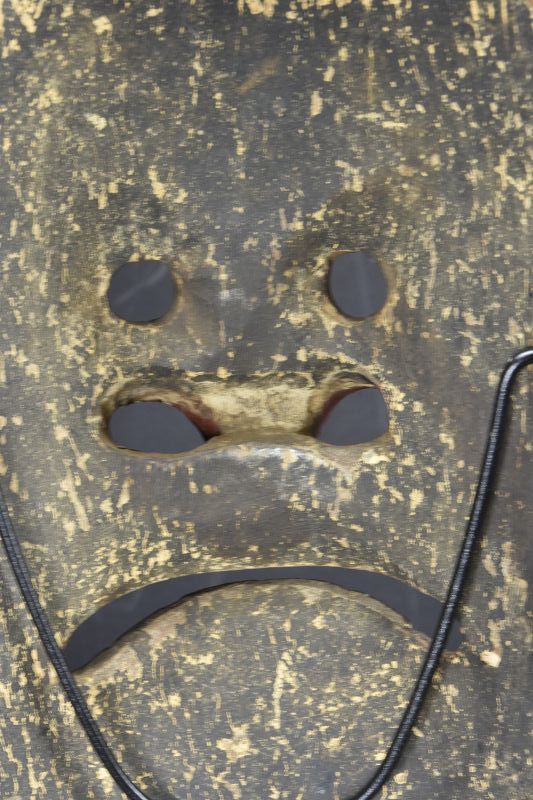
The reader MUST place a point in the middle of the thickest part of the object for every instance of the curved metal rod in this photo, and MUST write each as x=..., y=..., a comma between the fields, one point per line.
x=432, y=660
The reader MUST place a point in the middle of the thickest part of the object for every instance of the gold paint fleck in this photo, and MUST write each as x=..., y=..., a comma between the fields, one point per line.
x=416, y=498
x=124, y=496
x=97, y=121
x=343, y=53
x=28, y=11
x=158, y=188
x=491, y=658
x=107, y=506
x=317, y=103
x=238, y=745
x=284, y=676
x=14, y=483
x=174, y=700
x=401, y=777
x=102, y=25
x=264, y=7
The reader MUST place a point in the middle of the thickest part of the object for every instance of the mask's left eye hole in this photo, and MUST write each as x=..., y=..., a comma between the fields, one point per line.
x=152, y=426
x=353, y=417
x=141, y=291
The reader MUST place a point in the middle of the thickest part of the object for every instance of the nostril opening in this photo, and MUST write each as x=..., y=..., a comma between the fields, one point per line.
x=146, y=420
x=353, y=416
x=153, y=426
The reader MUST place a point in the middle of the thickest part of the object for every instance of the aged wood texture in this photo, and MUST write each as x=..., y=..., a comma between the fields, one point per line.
x=244, y=142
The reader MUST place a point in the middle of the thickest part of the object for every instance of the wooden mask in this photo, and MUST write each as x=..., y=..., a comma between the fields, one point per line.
x=242, y=155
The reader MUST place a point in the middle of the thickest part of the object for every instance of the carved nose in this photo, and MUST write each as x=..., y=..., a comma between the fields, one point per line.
x=344, y=410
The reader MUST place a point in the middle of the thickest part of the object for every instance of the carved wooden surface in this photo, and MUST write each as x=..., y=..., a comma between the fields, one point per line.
x=244, y=143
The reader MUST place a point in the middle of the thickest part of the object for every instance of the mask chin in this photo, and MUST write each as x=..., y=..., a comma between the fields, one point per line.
x=296, y=661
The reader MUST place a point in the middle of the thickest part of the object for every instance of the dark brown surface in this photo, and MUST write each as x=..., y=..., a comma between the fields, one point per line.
x=243, y=144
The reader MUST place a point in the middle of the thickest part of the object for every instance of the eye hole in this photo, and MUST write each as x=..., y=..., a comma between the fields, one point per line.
x=353, y=417
x=151, y=426
x=356, y=284
x=141, y=291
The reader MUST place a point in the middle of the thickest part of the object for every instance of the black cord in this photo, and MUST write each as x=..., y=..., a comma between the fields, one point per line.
x=16, y=558
x=432, y=660
x=472, y=534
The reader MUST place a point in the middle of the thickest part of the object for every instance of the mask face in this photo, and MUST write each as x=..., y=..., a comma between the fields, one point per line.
x=246, y=147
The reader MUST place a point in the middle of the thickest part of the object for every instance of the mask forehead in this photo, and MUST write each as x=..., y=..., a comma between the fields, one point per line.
x=243, y=144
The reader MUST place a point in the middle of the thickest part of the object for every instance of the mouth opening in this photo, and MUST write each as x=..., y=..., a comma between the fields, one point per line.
x=109, y=624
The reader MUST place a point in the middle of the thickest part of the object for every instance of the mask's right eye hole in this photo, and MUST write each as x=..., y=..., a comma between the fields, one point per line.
x=353, y=417
x=151, y=426
x=141, y=291
x=356, y=284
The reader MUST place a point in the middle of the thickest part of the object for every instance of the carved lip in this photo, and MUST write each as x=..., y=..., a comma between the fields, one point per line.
x=110, y=623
